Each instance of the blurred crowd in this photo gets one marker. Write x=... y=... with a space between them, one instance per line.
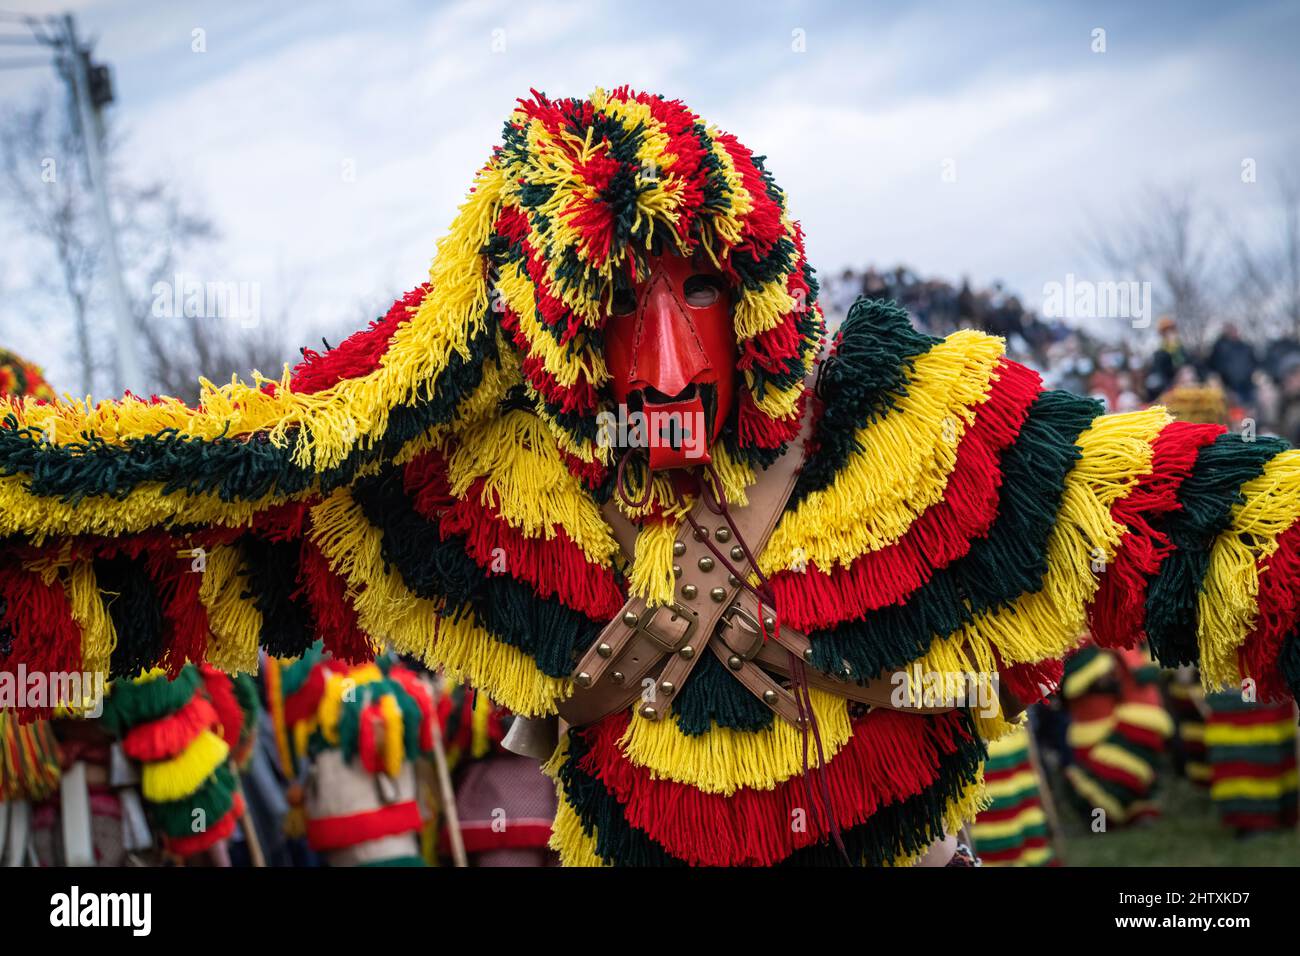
x=1258 y=381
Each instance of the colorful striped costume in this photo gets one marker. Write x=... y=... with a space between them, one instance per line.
x=1013 y=829
x=1118 y=729
x=1251 y=750
x=435 y=483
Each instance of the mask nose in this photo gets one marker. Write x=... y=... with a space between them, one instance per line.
x=668 y=353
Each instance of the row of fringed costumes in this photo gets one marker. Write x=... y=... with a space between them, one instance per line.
x=438 y=485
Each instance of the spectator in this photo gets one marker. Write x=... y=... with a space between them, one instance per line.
x=1170 y=357
x=1234 y=361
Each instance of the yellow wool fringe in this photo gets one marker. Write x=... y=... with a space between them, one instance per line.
x=1116 y=451
x=1152 y=717
x=98 y=635
x=186 y=772
x=1228 y=600
x=147 y=507
x=388 y=610
x=1088 y=733
x=235 y=622
x=528 y=484
x=724 y=760
x=1081 y=680
x=1270 y=788
x=902 y=468
x=510 y=677
x=652 y=575
x=1017 y=783
x=394 y=743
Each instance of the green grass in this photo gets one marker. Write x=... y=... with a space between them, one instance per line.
x=1187 y=833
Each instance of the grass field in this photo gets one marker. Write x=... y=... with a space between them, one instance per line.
x=1187 y=833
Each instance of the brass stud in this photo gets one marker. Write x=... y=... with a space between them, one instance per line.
x=706 y=563
x=630 y=618
x=723 y=534
x=769 y=697
x=667 y=687
x=582 y=679
x=679 y=548
x=617 y=677
x=807 y=654
x=604 y=650
x=677 y=570
x=769 y=622
x=687 y=652
x=733 y=580
x=735 y=663
x=689 y=591
x=648 y=712
x=700 y=534
x=718 y=594
x=737 y=552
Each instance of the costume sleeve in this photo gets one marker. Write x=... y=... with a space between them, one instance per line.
x=146 y=533
x=956 y=517
x=954 y=514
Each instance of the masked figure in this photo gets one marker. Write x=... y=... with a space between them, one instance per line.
x=596 y=467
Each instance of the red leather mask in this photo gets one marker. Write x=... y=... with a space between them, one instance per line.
x=670 y=348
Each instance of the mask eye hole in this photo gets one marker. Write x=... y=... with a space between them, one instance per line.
x=702 y=291
x=623 y=302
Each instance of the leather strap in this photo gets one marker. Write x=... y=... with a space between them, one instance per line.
x=739 y=633
x=632 y=648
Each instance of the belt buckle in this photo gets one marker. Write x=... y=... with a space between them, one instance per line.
x=669 y=644
x=747 y=626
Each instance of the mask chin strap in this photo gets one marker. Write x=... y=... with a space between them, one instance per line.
x=620 y=484
x=715 y=499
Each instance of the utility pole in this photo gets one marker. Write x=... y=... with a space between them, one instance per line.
x=77 y=72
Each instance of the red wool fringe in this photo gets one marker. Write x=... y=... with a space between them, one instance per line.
x=1030 y=683
x=1279 y=613
x=198 y=842
x=756 y=429
x=891 y=756
x=302 y=703
x=222 y=694
x=331 y=609
x=166 y=737
x=940 y=535
x=555 y=567
x=359 y=354
x=1117 y=615
x=39 y=619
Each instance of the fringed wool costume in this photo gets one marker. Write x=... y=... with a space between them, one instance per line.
x=435 y=484
x=1118 y=730
x=352 y=734
x=1013 y=830
x=504 y=804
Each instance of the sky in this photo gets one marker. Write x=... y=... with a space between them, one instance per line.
x=332 y=142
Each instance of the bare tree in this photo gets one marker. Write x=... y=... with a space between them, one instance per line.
x=158 y=228
x=1266 y=274
x=1173 y=240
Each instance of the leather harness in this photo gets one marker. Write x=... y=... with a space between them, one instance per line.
x=646 y=653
